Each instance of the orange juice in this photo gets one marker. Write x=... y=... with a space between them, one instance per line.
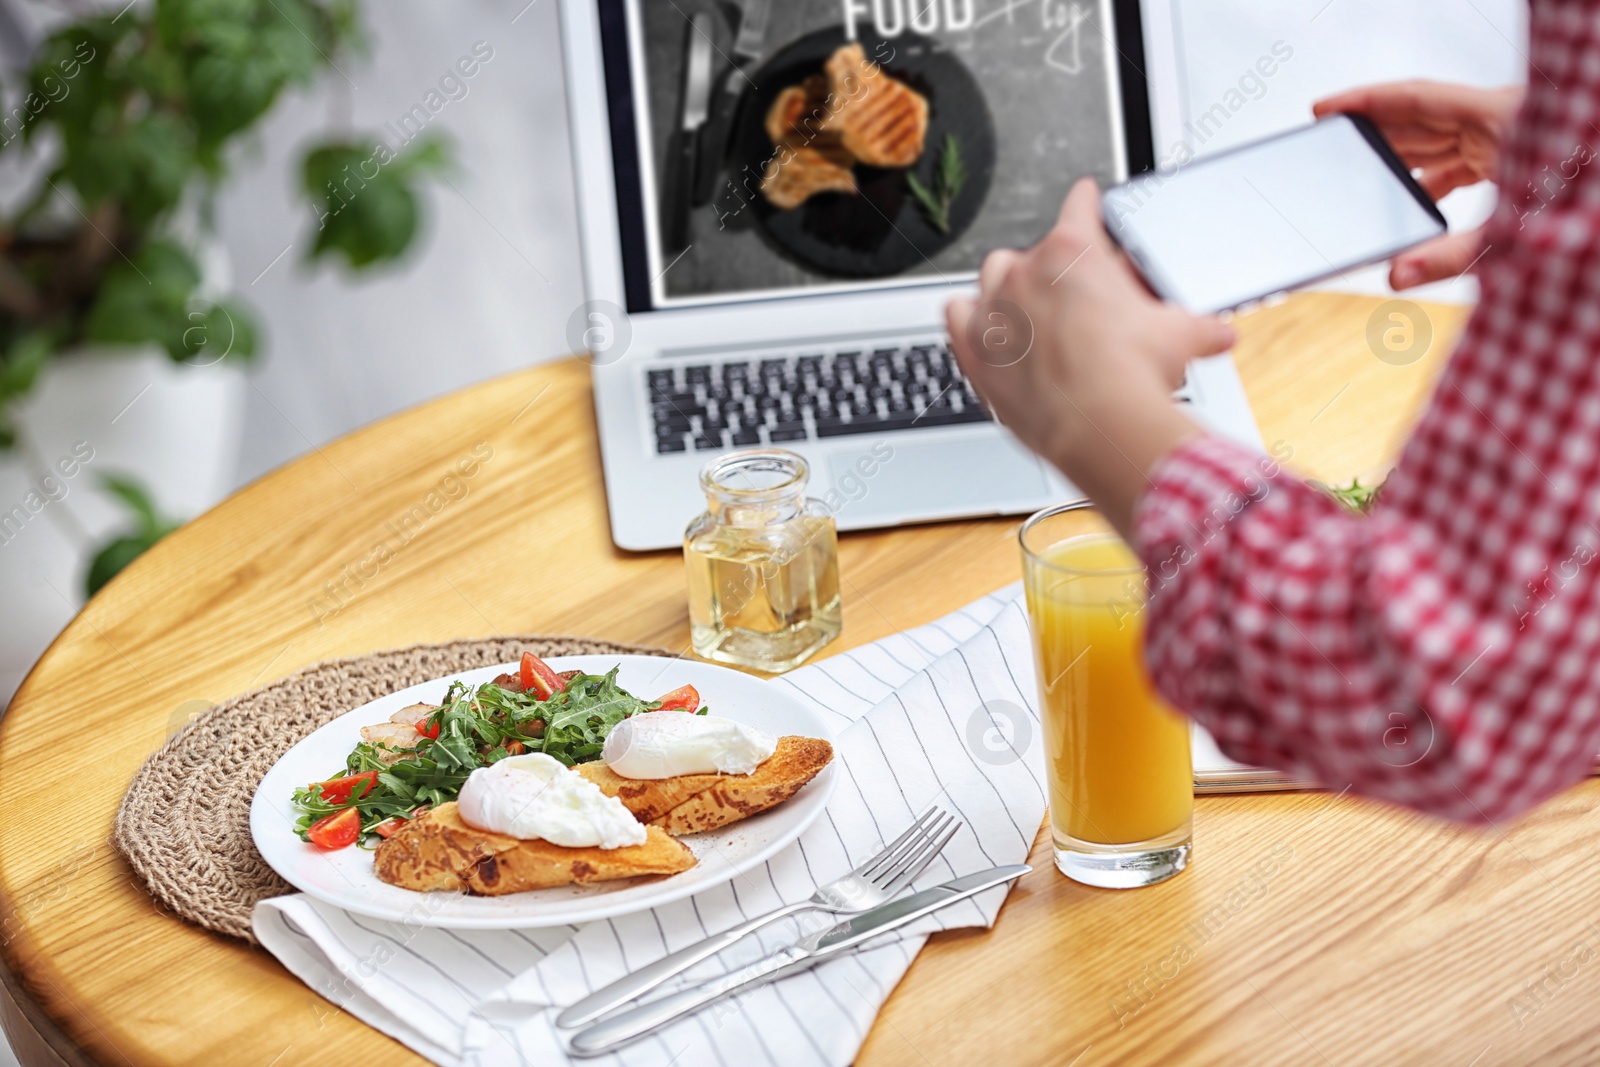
x=1117 y=757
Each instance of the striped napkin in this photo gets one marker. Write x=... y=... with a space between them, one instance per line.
x=945 y=713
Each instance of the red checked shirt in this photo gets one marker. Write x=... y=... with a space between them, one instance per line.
x=1444 y=652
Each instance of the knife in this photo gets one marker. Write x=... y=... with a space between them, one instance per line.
x=621 y=1028
x=678 y=188
x=748 y=48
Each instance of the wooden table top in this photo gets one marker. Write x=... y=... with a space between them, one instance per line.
x=1315 y=928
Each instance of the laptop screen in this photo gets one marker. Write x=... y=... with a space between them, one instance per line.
x=785 y=147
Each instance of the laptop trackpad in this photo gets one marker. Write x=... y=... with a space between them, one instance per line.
x=895 y=477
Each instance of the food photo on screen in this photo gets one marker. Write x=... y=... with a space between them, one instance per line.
x=844 y=144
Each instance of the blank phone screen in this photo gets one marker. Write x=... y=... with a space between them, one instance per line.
x=1268 y=217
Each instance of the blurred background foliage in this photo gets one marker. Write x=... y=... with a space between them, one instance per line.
x=127 y=120
x=134 y=113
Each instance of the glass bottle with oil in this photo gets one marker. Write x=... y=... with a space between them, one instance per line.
x=763 y=563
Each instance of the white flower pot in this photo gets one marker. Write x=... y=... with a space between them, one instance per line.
x=174 y=429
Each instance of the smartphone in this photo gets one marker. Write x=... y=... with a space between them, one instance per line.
x=1270 y=216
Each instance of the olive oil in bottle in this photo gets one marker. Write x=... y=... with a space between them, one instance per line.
x=763 y=563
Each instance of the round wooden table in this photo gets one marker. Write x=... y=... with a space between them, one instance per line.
x=1318 y=928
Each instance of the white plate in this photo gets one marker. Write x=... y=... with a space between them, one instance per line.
x=345 y=878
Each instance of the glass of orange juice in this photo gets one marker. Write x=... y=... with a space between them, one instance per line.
x=1117 y=757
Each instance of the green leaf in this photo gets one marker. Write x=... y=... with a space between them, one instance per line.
x=146 y=299
x=68 y=78
x=151 y=299
x=230 y=92
x=1355 y=496
x=364 y=198
x=112 y=558
x=135 y=498
x=143 y=165
x=426 y=155
x=217 y=332
x=299 y=34
x=148 y=528
x=22 y=363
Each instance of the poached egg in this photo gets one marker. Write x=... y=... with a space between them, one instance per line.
x=665 y=744
x=537 y=797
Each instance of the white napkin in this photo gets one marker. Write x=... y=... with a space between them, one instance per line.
x=945 y=713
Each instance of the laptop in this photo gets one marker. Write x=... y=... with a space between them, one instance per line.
x=762 y=270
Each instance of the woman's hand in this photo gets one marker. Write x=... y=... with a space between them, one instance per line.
x=1078 y=359
x=1450 y=133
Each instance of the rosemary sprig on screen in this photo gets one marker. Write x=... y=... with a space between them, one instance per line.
x=949 y=175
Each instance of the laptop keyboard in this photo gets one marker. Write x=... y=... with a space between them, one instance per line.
x=744 y=402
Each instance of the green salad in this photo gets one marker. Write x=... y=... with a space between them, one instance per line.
x=402 y=768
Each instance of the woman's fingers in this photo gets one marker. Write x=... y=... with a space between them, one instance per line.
x=957 y=313
x=1180 y=337
x=1206 y=335
x=957 y=322
x=1413 y=101
x=1081 y=207
x=1079 y=234
x=1427 y=122
x=996 y=265
x=1192 y=336
x=1339 y=103
x=1424 y=158
x=1442 y=257
x=1422 y=136
x=1405 y=101
x=1442 y=180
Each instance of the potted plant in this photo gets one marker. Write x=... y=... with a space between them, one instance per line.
x=120 y=342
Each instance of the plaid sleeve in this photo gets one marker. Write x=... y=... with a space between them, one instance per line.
x=1441 y=652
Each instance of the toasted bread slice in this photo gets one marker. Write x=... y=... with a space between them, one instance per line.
x=691 y=803
x=880 y=120
x=438 y=850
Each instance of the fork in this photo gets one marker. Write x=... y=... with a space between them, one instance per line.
x=873 y=883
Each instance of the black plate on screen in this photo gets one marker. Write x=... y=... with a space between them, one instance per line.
x=881 y=231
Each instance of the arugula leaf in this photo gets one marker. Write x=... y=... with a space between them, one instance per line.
x=583 y=714
x=1355 y=496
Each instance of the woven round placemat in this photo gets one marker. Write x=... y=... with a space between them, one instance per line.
x=184 y=824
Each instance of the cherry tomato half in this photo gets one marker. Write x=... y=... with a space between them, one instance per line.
x=683 y=698
x=539 y=678
x=340 y=790
x=336 y=831
x=389 y=827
